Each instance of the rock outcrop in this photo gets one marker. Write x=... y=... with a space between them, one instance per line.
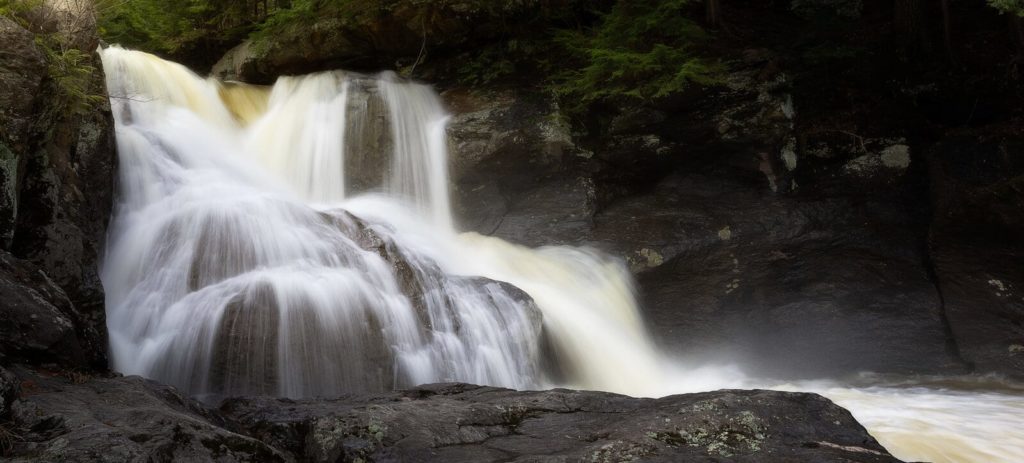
x=57 y=169
x=794 y=259
x=83 y=419
x=795 y=220
x=131 y=419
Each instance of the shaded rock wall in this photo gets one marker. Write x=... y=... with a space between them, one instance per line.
x=56 y=185
x=977 y=248
x=806 y=217
x=747 y=246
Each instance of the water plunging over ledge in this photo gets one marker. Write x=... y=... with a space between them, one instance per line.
x=307 y=250
x=297 y=240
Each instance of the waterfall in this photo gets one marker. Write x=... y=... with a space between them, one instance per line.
x=296 y=240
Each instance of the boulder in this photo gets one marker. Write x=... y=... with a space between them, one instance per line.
x=41 y=325
x=81 y=419
x=459 y=422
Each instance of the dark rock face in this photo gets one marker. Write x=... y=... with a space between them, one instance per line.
x=515 y=171
x=785 y=286
x=977 y=247
x=793 y=259
x=796 y=221
x=131 y=419
x=40 y=322
x=66 y=196
x=22 y=72
x=56 y=184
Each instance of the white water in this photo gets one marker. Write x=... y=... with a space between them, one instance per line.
x=297 y=241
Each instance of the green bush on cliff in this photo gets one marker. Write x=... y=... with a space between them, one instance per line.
x=641 y=49
x=71 y=72
x=15 y=9
x=170 y=27
x=1014 y=7
x=69 y=68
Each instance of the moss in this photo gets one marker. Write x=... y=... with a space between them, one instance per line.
x=619 y=451
x=743 y=433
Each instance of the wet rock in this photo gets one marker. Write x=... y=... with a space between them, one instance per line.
x=41 y=325
x=458 y=422
x=121 y=419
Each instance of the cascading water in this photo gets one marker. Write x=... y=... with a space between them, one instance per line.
x=239 y=262
x=296 y=240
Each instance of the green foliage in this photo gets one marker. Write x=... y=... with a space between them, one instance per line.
x=168 y=27
x=71 y=72
x=1014 y=7
x=16 y=9
x=632 y=49
x=641 y=49
x=70 y=69
x=300 y=12
x=506 y=59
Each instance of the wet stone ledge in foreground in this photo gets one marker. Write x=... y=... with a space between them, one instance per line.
x=80 y=419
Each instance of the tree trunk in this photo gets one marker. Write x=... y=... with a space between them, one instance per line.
x=1017 y=29
x=947 y=29
x=909 y=24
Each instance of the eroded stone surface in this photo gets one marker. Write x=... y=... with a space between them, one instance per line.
x=457 y=422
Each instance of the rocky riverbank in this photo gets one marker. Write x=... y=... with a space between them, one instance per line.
x=80 y=418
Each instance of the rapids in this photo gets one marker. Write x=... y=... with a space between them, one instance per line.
x=297 y=240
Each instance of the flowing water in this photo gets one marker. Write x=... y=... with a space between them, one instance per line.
x=297 y=240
